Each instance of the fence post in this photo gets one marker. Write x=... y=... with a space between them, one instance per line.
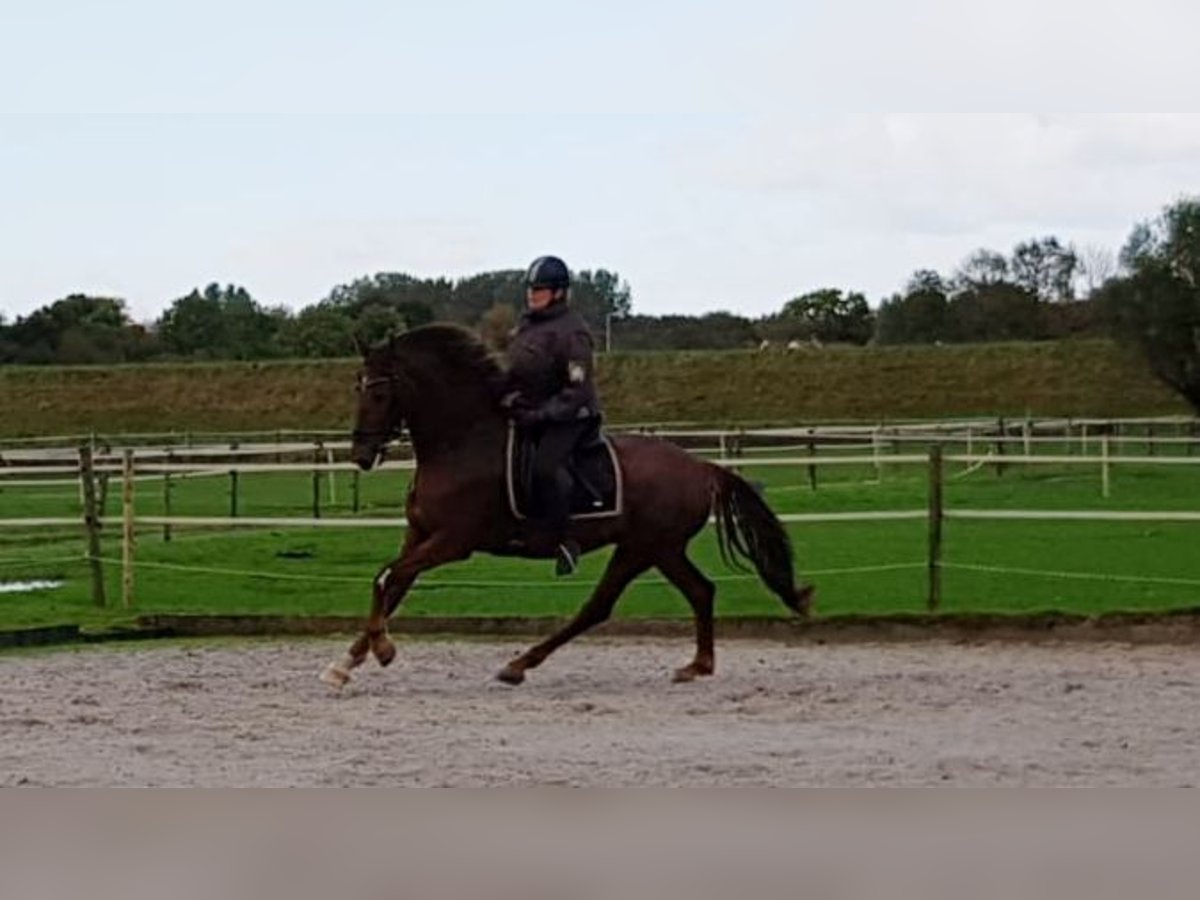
x=1002 y=434
x=91 y=523
x=935 y=527
x=354 y=489
x=128 y=534
x=1027 y=434
x=875 y=451
x=167 y=486
x=101 y=479
x=1104 y=468
x=812 y=451
x=316 y=483
x=332 y=478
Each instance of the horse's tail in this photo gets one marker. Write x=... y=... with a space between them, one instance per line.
x=748 y=529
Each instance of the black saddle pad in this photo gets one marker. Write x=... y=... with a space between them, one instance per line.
x=596 y=490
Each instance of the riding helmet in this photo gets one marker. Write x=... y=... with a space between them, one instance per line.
x=548 y=272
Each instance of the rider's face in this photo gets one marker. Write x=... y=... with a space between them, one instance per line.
x=538 y=298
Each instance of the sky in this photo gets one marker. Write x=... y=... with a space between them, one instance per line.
x=702 y=150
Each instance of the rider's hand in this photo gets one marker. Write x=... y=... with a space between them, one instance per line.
x=514 y=401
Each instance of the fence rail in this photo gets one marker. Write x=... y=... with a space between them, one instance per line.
x=86 y=471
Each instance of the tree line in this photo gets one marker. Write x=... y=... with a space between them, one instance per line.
x=980 y=303
x=226 y=322
x=1043 y=289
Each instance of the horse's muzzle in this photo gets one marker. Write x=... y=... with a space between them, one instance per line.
x=366 y=458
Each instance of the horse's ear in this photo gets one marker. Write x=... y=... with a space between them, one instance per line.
x=392 y=341
x=361 y=346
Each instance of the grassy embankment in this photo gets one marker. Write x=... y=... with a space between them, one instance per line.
x=1087 y=378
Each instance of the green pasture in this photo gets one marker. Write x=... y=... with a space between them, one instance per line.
x=305 y=571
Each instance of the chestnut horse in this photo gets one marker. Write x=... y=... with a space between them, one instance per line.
x=442 y=382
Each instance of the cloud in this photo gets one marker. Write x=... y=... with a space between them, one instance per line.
x=944 y=174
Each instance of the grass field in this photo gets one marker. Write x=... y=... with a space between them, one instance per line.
x=307 y=571
x=1067 y=378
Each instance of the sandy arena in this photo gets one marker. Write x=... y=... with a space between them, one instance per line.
x=603 y=712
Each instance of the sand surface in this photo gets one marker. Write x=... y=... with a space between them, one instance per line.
x=603 y=712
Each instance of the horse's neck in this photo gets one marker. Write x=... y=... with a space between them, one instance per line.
x=448 y=423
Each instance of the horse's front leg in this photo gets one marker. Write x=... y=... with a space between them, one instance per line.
x=420 y=553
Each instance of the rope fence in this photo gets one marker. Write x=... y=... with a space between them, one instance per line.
x=442 y=583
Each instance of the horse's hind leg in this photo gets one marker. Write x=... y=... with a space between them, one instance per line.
x=699 y=591
x=622 y=569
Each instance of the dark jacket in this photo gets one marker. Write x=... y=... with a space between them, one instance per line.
x=551 y=366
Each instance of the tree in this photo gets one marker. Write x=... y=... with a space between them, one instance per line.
x=418 y=302
x=1045 y=268
x=982 y=268
x=995 y=312
x=497 y=324
x=413 y=302
x=831 y=317
x=473 y=297
x=993 y=299
x=1156 y=307
x=378 y=322
x=1097 y=264
x=219 y=323
x=921 y=315
x=76 y=329
x=712 y=331
x=320 y=331
x=600 y=294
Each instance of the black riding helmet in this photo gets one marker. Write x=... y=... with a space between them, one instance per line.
x=548 y=272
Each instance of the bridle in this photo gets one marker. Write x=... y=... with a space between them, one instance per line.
x=381 y=436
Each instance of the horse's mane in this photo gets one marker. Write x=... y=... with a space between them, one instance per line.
x=450 y=353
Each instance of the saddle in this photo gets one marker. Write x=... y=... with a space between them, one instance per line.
x=597 y=491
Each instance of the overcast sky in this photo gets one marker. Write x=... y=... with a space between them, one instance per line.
x=690 y=146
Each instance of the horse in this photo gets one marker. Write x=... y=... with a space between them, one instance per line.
x=443 y=383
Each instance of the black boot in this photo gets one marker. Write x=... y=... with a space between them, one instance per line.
x=567 y=557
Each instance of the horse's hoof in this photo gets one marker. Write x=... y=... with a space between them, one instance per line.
x=510 y=676
x=690 y=673
x=385 y=652
x=335 y=676
x=804 y=601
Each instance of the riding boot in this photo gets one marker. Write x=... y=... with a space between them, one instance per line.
x=567 y=558
x=557 y=511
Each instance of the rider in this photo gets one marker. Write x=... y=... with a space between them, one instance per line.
x=551 y=394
